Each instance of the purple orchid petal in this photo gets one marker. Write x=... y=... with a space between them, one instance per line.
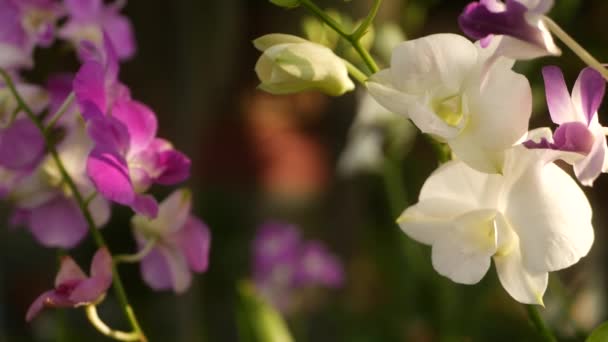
x=175 y=166
x=195 y=240
x=588 y=169
x=590 y=87
x=90 y=290
x=22 y=145
x=69 y=271
x=481 y=19
x=145 y=205
x=11 y=30
x=319 y=266
x=59 y=87
x=181 y=278
x=110 y=133
x=155 y=271
x=140 y=122
x=37 y=305
x=558 y=97
x=275 y=243
x=83 y=10
x=57 y=223
x=573 y=137
x=109 y=172
x=101 y=266
x=90 y=88
x=120 y=32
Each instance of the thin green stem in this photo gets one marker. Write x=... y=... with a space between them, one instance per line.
x=353 y=38
x=62 y=109
x=82 y=203
x=132 y=258
x=93 y=316
x=367 y=22
x=583 y=54
x=355 y=72
x=539 y=323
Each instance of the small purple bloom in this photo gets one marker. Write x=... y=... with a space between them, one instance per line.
x=579 y=130
x=59 y=87
x=284 y=263
x=182 y=244
x=73 y=288
x=24 y=24
x=516 y=23
x=89 y=19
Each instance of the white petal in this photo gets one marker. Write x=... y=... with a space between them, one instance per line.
x=266 y=41
x=440 y=60
x=382 y=89
x=498 y=116
x=523 y=285
x=549 y=213
x=464 y=252
x=458 y=182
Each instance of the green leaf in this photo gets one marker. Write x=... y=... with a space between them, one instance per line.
x=258 y=321
x=600 y=334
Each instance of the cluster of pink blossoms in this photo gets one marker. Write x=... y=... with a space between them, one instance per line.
x=106 y=142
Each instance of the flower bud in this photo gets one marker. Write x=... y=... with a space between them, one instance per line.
x=290 y=64
x=286 y=3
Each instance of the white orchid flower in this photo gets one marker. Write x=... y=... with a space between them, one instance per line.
x=531 y=220
x=442 y=83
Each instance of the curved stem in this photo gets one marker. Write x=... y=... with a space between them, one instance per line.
x=93 y=317
x=583 y=54
x=82 y=203
x=353 y=38
x=132 y=258
x=539 y=324
x=355 y=72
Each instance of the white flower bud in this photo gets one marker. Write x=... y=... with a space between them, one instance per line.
x=290 y=64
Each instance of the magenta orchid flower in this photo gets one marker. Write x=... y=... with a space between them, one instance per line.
x=73 y=288
x=580 y=137
x=517 y=24
x=181 y=244
x=128 y=157
x=23 y=25
x=89 y=19
x=283 y=263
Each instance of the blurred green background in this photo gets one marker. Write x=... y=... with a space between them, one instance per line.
x=257 y=157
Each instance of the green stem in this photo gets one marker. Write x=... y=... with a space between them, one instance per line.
x=583 y=54
x=93 y=316
x=82 y=203
x=367 y=22
x=352 y=38
x=62 y=109
x=355 y=72
x=539 y=323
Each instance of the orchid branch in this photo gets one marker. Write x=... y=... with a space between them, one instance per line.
x=583 y=54
x=82 y=203
x=355 y=72
x=353 y=38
